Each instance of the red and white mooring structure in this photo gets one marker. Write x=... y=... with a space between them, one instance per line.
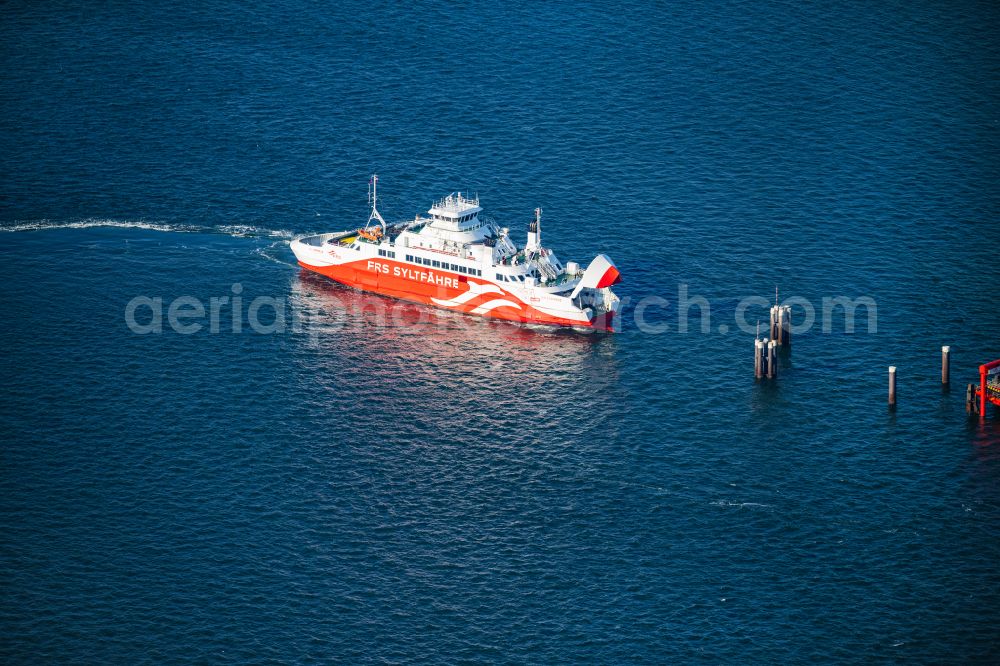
x=988 y=389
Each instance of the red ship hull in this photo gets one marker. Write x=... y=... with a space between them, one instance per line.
x=451 y=291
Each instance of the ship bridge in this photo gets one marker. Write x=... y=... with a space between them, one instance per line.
x=455 y=212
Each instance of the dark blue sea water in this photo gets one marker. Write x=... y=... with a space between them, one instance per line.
x=423 y=487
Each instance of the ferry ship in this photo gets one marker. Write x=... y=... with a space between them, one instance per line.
x=459 y=259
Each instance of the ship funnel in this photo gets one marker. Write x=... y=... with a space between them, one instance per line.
x=534 y=233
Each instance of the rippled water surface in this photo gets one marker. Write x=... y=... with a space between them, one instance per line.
x=382 y=483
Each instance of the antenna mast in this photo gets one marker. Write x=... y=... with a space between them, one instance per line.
x=373 y=200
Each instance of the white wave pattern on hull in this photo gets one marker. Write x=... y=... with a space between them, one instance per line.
x=494 y=304
x=475 y=289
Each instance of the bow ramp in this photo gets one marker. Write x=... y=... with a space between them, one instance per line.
x=600 y=274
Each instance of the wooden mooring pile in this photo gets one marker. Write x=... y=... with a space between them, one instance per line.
x=766 y=350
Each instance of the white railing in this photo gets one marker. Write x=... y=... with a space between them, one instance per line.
x=456 y=203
